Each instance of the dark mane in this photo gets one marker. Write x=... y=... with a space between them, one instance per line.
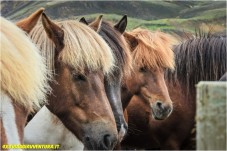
x=199 y=59
x=119 y=47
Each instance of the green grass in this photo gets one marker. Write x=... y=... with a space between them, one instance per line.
x=169 y=24
x=206 y=14
x=212 y=14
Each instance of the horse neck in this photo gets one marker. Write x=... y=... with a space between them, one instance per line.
x=180 y=95
x=126 y=96
x=13 y=118
x=46 y=128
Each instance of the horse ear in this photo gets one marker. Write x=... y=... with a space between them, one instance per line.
x=54 y=32
x=83 y=20
x=96 y=24
x=132 y=40
x=27 y=24
x=122 y=24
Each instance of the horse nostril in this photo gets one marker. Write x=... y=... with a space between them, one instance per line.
x=87 y=138
x=159 y=104
x=164 y=108
x=107 y=141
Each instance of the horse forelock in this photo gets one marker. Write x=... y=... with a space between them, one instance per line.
x=23 y=71
x=119 y=46
x=83 y=48
x=199 y=59
x=154 y=49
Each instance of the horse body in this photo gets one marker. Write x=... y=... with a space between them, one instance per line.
x=23 y=81
x=197 y=59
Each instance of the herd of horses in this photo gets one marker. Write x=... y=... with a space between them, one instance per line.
x=101 y=87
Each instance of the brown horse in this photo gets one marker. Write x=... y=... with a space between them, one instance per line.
x=79 y=59
x=152 y=54
x=197 y=59
x=52 y=133
x=112 y=34
x=23 y=80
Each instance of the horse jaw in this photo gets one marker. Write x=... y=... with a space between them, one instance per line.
x=46 y=128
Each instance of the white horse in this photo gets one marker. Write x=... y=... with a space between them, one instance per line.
x=23 y=80
x=47 y=128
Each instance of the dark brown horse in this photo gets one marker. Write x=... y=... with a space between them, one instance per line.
x=197 y=59
x=112 y=34
x=79 y=59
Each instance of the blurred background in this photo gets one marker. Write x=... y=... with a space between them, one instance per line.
x=168 y=16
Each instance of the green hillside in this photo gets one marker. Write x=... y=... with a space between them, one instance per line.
x=164 y=15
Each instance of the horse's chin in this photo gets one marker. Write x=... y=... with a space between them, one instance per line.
x=121 y=133
x=86 y=148
x=157 y=116
x=89 y=147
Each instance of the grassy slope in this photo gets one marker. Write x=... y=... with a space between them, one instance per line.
x=163 y=15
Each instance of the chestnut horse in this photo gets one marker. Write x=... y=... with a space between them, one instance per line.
x=23 y=80
x=197 y=59
x=152 y=54
x=79 y=59
x=56 y=133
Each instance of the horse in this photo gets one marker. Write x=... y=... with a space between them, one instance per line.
x=152 y=54
x=23 y=80
x=112 y=35
x=200 y=58
x=79 y=60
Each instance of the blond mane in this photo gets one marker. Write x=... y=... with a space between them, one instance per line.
x=154 y=49
x=84 y=48
x=23 y=71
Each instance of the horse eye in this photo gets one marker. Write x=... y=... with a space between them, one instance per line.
x=143 y=69
x=79 y=77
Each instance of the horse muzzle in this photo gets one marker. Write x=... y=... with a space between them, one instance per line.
x=100 y=136
x=161 y=111
x=122 y=132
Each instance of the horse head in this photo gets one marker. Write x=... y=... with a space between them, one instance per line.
x=79 y=59
x=152 y=54
x=113 y=35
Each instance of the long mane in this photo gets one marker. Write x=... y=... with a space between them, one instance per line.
x=119 y=47
x=197 y=59
x=23 y=71
x=84 y=48
x=154 y=49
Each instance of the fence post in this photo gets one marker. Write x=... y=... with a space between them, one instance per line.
x=211 y=116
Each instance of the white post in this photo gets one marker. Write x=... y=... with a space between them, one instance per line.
x=211 y=116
